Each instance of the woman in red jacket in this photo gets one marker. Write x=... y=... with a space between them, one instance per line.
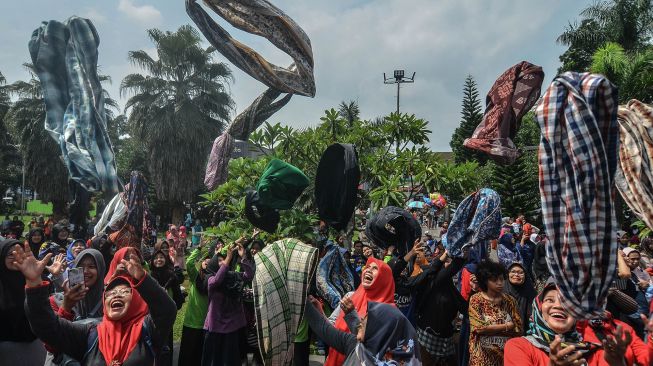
x=554 y=341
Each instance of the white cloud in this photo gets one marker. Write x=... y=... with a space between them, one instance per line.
x=146 y=14
x=94 y=15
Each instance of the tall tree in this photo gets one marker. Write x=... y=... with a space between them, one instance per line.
x=626 y=22
x=631 y=72
x=10 y=162
x=349 y=111
x=177 y=107
x=471 y=117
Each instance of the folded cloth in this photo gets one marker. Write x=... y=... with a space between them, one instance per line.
x=65 y=59
x=634 y=178
x=333 y=277
x=280 y=185
x=578 y=159
x=393 y=226
x=259 y=215
x=336 y=185
x=284 y=271
x=261 y=18
x=477 y=221
x=513 y=94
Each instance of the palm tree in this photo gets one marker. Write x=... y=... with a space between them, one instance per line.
x=177 y=108
x=632 y=73
x=349 y=111
x=44 y=169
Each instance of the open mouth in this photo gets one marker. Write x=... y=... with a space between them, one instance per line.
x=559 y=315
x=368 y=277
x=117 y=304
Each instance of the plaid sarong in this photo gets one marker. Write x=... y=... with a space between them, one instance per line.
x=440 y=347
x=578 y=159
x=634 y=178
x=65 y=58
x=284 y=270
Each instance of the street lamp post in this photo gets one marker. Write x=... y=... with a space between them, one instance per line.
x=398 y=79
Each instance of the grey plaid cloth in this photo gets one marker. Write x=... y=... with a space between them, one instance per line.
x=65 y=58
x=578 y=159
x=436 y=346
x=634 y=178
x=284 y=270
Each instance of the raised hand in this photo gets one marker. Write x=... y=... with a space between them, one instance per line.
x=241 y=250
x=615 y=346
x=567 y=356
x=71 y=296
x=58 y=265
x=29 y=266
x=346 y=304
x=133 y=267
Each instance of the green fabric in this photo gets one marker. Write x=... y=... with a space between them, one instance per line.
x=284 y=270
x=197 y=305
x=302 y=332
x=280 y=185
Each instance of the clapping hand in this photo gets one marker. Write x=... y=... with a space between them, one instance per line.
x=615 y=346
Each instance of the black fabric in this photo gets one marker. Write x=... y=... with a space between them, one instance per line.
x=12 y=297
x=260 y=216
x=539 y=267
x=192 y=344
x=387 y=330
x=394 y=226
x=336 y=185
x=167 y=278
x=221 y=349
x=233 y=283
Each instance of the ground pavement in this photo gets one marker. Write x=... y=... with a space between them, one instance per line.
x=315 y=360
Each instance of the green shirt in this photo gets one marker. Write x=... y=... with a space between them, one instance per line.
x=302 y=331
x=197 y=304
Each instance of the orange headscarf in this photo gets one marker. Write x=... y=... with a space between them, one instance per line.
x=382 y=290
x=117 y=339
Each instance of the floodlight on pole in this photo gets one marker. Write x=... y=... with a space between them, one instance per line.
x=398 y=79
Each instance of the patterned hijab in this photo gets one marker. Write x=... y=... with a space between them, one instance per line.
x=541 y=335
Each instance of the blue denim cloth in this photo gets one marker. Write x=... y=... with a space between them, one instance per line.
x=65 y=59
x=477 y=221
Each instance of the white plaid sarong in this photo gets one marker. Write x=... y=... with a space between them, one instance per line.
x=441 y=347
x=578 y=159
x=284 y=270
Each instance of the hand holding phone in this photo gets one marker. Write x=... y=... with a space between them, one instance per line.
x=75 y=277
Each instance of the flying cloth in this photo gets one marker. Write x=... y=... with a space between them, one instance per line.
x=333 y=279
x=336 y=185
x=634 y=179
x=393 y=226
x=65 y=58
x=280 y=185
x=284 y=271
x=578 y=160
x=263 y=19
x=477 y=221
x=512 y=95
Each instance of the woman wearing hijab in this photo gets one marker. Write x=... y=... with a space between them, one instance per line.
x=520 y=287
x=82 y=302
x=540 y=269
x=129 y=334
x=163 y=272
x=73 y=250
x=60 y=235
x=383 y=336
x=493 y=317
x=377 y=285
x=192 y=334
x=178 y=246
x=35 y=238
x=553 y=339
x=507 y=250
x=18 y=345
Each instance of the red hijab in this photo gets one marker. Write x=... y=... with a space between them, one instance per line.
x=382 y=290
x=117 y=258
x=117 y=339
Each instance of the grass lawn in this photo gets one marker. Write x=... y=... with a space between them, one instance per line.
x=179 y=321
x=38 y=207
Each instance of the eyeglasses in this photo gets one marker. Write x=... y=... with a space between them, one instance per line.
x=520 y=273
x=113 y=293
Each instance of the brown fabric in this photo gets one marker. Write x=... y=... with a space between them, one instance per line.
x=512 y=95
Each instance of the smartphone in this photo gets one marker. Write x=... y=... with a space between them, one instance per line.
x=75 y=277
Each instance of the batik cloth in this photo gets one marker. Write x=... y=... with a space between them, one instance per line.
x=284 y=270
x=437 y=346
x=513 y=94
x=578 y=159
x=333 y=279
x=217 y=166
x=634 y=178
x=477 y=221
x=65 y=58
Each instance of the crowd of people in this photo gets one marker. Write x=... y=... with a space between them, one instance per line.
x=69 y=301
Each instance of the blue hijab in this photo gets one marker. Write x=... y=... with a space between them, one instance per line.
x=70 y=258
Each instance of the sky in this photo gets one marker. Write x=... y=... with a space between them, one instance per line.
x=354 y=42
